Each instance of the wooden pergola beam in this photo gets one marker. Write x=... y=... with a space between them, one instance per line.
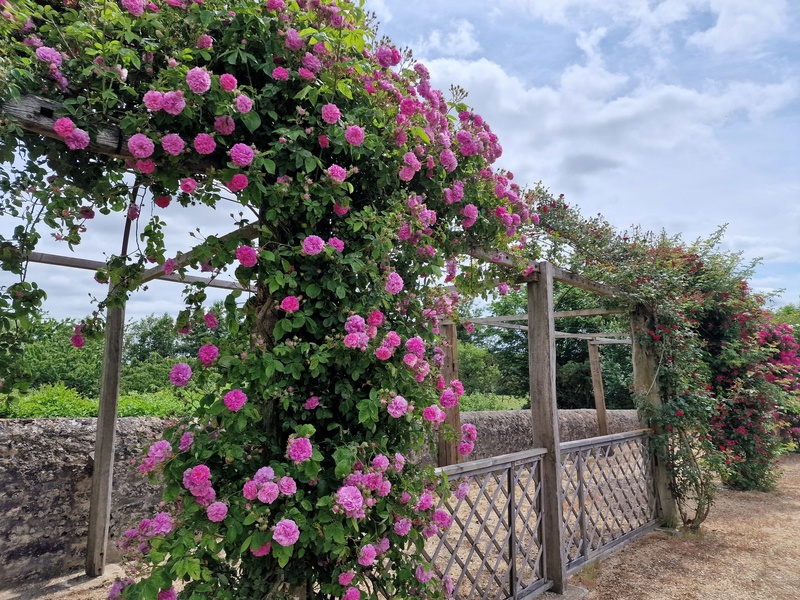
x=37 y=115
x=247 y=232
x=94 y=265
x=584 y=283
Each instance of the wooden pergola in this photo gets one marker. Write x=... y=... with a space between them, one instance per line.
x=37 y=115
x=594 y=341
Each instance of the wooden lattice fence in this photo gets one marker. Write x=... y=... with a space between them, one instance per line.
x=608 y=494
x=494 y=549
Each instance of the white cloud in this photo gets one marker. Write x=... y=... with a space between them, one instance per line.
x=380 y=8
x=742 y=25
x=739 y=25
x=459 y=40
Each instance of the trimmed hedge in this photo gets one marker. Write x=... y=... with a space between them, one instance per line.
x=57 y=400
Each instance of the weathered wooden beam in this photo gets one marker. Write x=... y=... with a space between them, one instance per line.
x=597 y=387
x=103 y=468
x=448 y=449
x=584 y=283
x=595 y=337
x=544 y=421
x=247 y=232
x=588 y=312
x=37 y=115
x=94 y=265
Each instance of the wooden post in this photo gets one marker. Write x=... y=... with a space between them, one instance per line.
x=103 y=473
x=645 y=384
x=448 y=449
x=103 y=468
x=544 y=418
x=597 y=386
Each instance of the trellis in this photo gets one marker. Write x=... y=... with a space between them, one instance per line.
x=36 y=115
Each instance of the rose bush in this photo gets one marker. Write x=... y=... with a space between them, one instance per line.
x=359 y=182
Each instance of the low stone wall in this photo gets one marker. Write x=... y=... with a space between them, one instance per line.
x=506 y=431
x=45 y=481
x=45 y=486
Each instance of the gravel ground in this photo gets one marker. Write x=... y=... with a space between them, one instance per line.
x=748 y=549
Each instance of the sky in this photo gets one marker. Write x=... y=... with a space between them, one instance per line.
x=682 y=115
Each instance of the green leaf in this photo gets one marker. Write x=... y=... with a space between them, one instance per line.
x=251 y=120
x=344 y=89
x=313 y=290
x=335 y=531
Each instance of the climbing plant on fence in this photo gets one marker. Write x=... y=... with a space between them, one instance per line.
x=720 y=378
x=362 y=186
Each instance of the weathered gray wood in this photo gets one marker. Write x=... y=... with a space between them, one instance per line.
x=588 y=312
x=247 y=232
x=584 y=283
x=544 y=420
x=37 y=115
x=645 y=384
x=597 y=386
x=490 y=464
x=93 y=265
x=603 y=440
x=448 y=449
x=103 y=474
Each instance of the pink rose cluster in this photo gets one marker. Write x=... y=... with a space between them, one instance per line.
x=415 y=358
x=198 y=481
x=171 y=102
x=313 y=245
x=449 y=396
x=77 y=340
x=264 y=487
x=138 y=540
x=397 y=407
x=290 y=304
x=207 y=354
x=180 y=374
x=286 y=532
x=394 y=283
x=299 y=449
x=391 y=341
x=468 y=436
x=156 y=454
x=247 y=256
x=364 y=485
x=360 y=332
x=74 y=138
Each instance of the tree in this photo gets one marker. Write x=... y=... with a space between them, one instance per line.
x=358 y=182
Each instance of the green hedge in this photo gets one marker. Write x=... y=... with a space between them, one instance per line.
x=57 y=400
x=491 y=402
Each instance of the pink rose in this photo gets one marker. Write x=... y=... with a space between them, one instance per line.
x=286 y=532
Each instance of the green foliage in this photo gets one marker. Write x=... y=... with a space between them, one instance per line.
x=478 y=370
x=59 y=401
x=483 y=401
x=52 y=359
x=51 y=401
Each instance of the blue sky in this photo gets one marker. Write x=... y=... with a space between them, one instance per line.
x=674 y=114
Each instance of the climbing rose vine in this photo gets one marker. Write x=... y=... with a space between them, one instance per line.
x=357 y=182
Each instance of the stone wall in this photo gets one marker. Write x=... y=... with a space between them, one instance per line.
x=503 y=432
x=46 y=468
x=45 y=485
